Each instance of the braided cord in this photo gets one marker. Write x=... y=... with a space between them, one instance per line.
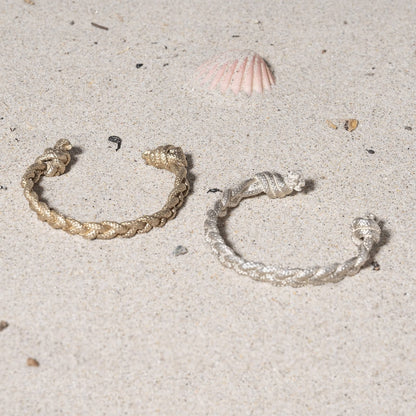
x=53 y=163
x=365 y=233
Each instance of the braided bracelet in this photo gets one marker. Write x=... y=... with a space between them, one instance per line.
x=365 y=233
x=53 y=163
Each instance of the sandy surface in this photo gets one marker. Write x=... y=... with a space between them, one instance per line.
x=123 y=327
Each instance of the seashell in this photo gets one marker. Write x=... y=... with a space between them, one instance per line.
x=237 y=71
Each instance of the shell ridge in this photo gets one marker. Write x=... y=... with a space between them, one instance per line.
x=237 y=81
x=228 y=75
x=219 y=75
x=257 y=78
x=247 y=83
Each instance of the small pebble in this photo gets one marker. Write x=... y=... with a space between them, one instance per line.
x=4 y=188
x=375 y=265
x=332 y=125
x=408 y=128
x=3 y=325
x=180 y=251
x=139 y=65
x=32 y=362
x=371 y=151
x=213 y=190
x=115 y=139
x=350 y=125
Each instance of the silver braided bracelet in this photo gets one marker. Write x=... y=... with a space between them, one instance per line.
x=365 y=234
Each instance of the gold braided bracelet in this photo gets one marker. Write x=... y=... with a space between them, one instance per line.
x=53 y=163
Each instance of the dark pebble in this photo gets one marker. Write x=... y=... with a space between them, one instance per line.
x=376 y=266
x=180 y=251
x=115 y=139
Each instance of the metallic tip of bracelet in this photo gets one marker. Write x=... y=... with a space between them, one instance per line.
x=370 y=216
x=145 y=156
x=165 y=157
x=63 y=144
x=296 y=181
x=365 y=227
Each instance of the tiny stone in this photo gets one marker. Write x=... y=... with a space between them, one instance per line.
x=323 y=51
x=351 y=124
x=72 y=22
x=180 y=250
x=139 y=65
x=3 y=325
x=332 y=125
x=371 y=151
x=115 y=139
x=408 y=128
x=32 y=362
x=3 y=187
x=375 y=265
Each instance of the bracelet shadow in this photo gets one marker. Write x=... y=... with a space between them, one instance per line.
x=385 y=237
x=191 y=177
x=75 y=152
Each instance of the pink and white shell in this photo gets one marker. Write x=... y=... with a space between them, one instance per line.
x=237 y=71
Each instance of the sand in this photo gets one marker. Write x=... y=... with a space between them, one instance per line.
x=125 y=327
